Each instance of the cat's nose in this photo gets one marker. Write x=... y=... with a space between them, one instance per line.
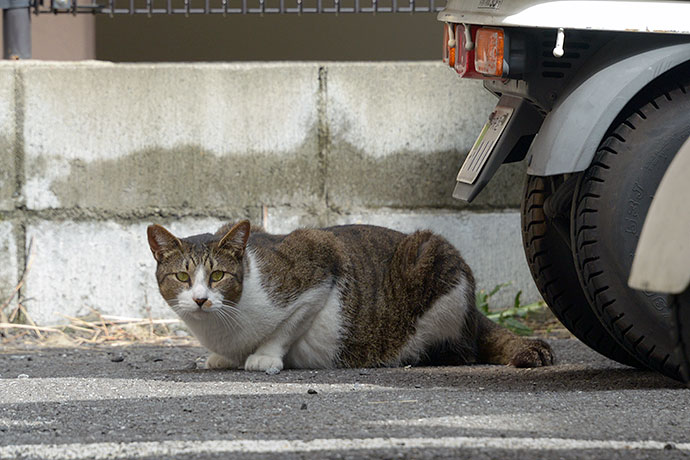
x=200 y=302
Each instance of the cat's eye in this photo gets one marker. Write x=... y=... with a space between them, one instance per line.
x=217 y=276
x=182 y=276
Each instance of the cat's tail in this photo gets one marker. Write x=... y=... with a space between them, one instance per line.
x=498 y=345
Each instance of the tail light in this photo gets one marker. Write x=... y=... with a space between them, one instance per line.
x=478 y=52
x=464 y=62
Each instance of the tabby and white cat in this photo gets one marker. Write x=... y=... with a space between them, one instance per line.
x=347 y=296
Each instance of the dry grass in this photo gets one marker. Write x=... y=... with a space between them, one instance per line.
x=17 y=329
x=107 y=330
x=95 y=329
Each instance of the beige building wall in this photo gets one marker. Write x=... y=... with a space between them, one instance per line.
x=63 y=37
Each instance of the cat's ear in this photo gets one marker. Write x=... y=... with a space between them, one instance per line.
x=161 y=240
x=236 y=238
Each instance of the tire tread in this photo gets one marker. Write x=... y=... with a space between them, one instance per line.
x=593 y=272
x=556 y=279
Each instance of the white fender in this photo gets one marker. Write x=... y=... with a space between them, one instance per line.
x=662 y=259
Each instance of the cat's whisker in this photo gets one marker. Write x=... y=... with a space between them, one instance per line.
x=227 y=318
x=235 y=314
x=229 y=303
x=227 y=310
x=224 y=320
x=234 y=323
x=232 y=309
x=236 y=318
x=182 y=314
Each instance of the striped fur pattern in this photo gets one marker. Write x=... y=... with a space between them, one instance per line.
x=346 y=296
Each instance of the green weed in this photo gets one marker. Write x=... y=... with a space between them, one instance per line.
x=512 y=317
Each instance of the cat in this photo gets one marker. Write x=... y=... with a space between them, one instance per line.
x=345 y=296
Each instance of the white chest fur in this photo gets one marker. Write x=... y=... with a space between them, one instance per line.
x=304 y=334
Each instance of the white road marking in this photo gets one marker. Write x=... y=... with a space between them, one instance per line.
x=536 y=421
x=45 y=390
x=104 y=450
x=9 y=423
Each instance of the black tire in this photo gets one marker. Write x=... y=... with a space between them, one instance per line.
x=681 y=315
x=551 y=263
x=611 y=202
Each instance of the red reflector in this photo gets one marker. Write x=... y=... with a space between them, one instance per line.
x=464 y=64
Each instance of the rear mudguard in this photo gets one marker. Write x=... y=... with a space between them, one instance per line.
x=572 y=131
x=662 y=258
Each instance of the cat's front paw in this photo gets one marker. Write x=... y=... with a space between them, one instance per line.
x=257 y=362
x=216 y=361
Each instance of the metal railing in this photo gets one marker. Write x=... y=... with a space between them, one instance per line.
x=225 y=7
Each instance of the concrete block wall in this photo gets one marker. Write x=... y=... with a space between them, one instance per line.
x=93 y=152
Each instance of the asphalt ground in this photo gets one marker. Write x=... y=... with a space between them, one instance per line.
x=154 y=403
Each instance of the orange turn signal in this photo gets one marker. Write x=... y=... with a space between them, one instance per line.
x=449 y=44
x=488 y=51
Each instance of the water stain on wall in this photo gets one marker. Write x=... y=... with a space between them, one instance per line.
x=411 y=180
x=188 y=176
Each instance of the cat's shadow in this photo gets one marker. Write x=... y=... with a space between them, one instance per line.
x=558 y=378
x=580 y=370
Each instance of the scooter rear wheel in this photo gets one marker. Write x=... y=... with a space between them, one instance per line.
x=551 y=263
x=610 y=206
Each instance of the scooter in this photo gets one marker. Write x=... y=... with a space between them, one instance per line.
x=595 y=95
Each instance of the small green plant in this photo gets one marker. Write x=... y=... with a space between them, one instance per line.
x=509 y=317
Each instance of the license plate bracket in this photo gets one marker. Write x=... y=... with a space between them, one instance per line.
x=484 y=145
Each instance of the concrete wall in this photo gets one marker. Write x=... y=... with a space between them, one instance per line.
x=94 y=152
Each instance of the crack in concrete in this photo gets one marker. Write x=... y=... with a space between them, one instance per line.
x=19 y=167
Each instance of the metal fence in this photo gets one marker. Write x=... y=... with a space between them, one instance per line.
x=225 y=7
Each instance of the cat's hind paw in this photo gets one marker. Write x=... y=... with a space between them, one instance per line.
x=532 y=353
x=257 y=362
x=216 y=361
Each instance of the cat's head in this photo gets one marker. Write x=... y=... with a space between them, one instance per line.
x=201 y=273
